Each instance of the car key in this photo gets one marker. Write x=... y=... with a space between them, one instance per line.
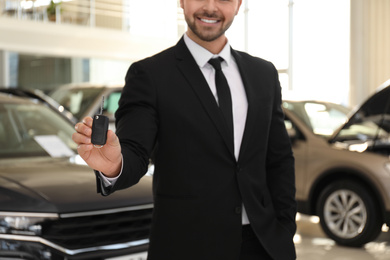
x=99 y=128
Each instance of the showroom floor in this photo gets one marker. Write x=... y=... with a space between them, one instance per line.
x=312 y=244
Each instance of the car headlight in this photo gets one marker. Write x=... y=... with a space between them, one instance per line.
x=358 y=147
x=23 y=223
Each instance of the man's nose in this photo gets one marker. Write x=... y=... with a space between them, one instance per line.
x=210 y=5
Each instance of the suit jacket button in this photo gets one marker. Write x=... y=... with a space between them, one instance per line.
x=237 y=210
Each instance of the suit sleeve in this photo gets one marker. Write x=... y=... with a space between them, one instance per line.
x=105 y=184
x=280 y=165
x=101 y=185
x=136 y=127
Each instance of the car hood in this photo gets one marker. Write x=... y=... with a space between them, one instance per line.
x=376 y=109
x=59 y=186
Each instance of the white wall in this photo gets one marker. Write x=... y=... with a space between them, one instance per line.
x=370 y=47
x=322 y=49
x=76 y=41
x=321 y=44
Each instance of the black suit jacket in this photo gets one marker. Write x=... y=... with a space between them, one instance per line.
x=199 y=187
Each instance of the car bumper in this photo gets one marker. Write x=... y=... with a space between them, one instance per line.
x=35 y=248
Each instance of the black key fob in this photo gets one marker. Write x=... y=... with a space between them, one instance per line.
x=99 y=130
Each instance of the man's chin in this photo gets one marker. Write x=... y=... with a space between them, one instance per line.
x=208 y=37
x=206 y=34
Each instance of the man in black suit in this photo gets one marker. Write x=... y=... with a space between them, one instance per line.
x=224 y=186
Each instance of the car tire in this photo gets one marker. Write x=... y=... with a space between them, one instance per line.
x=349 y=214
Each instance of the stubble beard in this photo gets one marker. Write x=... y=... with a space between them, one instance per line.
x=206 y=34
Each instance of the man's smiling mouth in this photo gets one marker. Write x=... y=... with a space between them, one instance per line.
x=209 y=21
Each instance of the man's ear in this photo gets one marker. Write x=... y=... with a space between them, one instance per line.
x=181 y=3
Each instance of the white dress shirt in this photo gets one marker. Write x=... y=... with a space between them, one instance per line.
x=237 y=90
x=239 y=99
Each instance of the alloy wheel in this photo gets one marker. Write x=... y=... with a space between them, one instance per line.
x=345 y=213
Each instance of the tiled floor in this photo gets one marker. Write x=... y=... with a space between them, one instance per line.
x=312 y=244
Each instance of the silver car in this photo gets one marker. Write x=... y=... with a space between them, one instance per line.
x=85 y=99
x=343 y=166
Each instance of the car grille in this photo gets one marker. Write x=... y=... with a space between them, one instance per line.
x=96 y=230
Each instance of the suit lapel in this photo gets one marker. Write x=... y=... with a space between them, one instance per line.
x=191 y=71
x=251 y=98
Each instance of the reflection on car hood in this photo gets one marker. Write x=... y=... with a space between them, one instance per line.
x=56 y=185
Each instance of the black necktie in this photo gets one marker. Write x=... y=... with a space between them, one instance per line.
x=223 y=92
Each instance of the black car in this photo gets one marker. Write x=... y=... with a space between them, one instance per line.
x=49 y=207
x=40 y=96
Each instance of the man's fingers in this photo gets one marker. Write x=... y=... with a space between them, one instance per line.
x=83 y=149
x=88 y=121
x=83 y=131
x=84 y=127
x=81 y=139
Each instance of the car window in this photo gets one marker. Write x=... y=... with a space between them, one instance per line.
x=322 y=118
x=30 y=130
x=76 y=101
x=111 y=103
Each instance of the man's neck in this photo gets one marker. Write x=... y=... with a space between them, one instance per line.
x=214 y=47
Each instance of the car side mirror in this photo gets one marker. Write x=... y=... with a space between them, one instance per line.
x=291 y=131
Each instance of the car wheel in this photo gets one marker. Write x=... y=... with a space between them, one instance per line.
x=348 y=214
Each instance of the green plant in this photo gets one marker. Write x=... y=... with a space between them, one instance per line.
x=51 y=9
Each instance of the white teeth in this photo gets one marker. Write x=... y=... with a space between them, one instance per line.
x=208 y=21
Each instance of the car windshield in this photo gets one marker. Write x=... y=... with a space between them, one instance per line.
x=76 y=100
x=29 y=129
x=323 y=118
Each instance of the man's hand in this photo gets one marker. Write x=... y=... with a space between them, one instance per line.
x=107 y=159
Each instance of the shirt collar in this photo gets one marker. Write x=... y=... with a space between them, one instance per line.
x=202 y=56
